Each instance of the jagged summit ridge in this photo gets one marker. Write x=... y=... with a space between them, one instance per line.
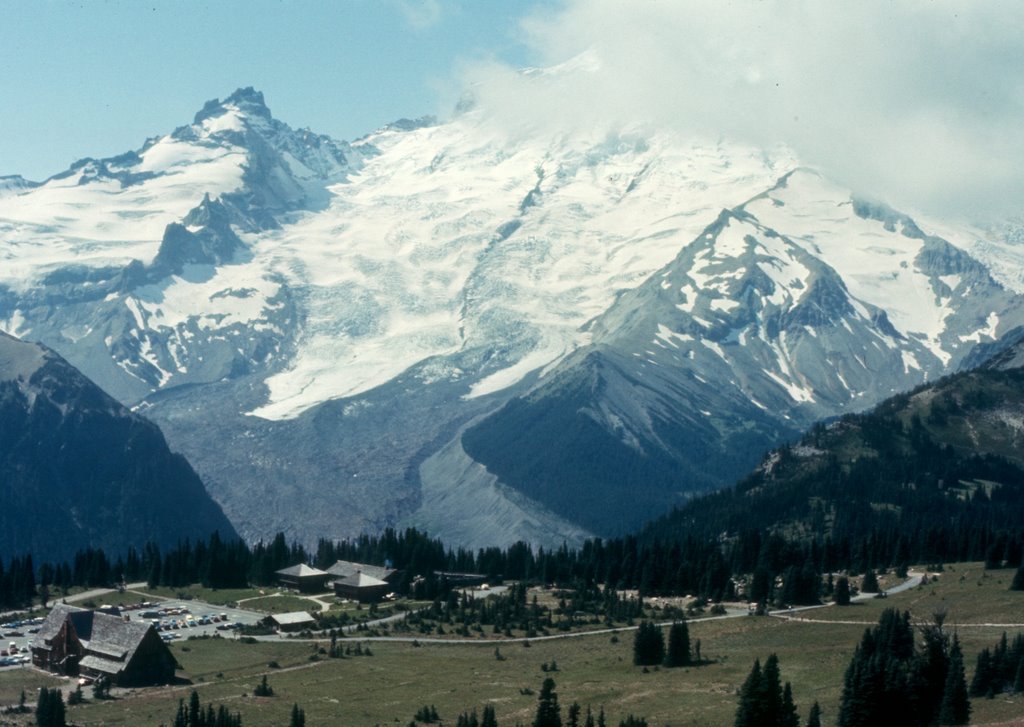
x=246 y=100
x=330 y=323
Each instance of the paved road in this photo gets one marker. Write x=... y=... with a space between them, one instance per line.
x=913 y=580
x=199 y=608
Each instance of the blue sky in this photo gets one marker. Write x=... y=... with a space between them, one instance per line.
x=918 y=102
x=97 y=78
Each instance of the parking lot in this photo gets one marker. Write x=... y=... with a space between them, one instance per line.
x=15 y=640
x=179 y=619
x=175 y=619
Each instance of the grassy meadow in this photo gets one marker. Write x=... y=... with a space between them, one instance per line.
x=389 y=686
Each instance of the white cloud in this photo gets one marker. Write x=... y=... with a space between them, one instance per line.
x=921 y=103
x=421 y=14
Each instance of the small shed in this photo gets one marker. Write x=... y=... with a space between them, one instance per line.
x=361 y=587
x=303 y=578
x=294 y=621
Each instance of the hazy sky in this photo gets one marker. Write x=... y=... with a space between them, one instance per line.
x=95 y=78
x=917 y=101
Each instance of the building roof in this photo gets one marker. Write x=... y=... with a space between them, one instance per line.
x=301 y=571
x=97 y=663
x=345 y=569
x=53 y=623
x=101 y=635
x=361 y=580
x=290 y=619
x=113 y=636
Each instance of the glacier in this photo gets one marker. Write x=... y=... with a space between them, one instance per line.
x=321 y=326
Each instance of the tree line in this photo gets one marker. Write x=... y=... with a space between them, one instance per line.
x=767 y=566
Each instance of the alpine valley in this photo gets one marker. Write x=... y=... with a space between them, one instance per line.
x=490 y=334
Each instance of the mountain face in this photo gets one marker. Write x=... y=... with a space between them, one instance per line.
x=949 y=453
x=491 y=334
x=798 y=305
x=78 y=469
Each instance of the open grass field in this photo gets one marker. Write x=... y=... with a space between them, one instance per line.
x=399 y=678
x=213 y=596
x=966 y=591
x=281 y=604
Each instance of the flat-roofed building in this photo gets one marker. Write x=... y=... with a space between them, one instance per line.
x=293 y=621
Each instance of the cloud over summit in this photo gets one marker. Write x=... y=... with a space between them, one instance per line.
x=918 y=102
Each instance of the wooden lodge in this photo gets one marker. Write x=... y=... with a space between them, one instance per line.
x=80 y=641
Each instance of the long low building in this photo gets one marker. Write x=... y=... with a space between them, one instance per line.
x=361 y=587
x=293 y=621
x=303 y=578
x=347 y=569
x=76 y=640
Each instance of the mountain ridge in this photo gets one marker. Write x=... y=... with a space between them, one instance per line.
x=265 y=293
x=79 y=470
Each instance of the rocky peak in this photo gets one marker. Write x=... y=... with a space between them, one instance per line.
x=247 y=100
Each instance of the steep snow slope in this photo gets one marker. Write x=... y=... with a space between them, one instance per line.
x=316 y=323
x=800 y=304
x=456 y=237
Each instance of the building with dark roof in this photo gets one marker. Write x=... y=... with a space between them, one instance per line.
x=347 y=569
x=75 y=640
x=361 y=587
x=303 y=578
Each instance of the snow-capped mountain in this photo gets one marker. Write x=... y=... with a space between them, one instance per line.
x=321 y=326
x=750 y=335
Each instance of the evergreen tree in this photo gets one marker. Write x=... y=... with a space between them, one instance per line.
x=889 y=681
x=549 y=714
x=1018 y=580
x=771 y=689
x=195 y=709
x=788 y=716
x=983 y=673
x=50 y=708
x=262 y=689
x=842 y=591
x=489 y=720
x=870 y=582
x=955 y=708
x=648 y=645
x=678 y=652
x=298 y=716
x=750 y=712
x=814 y=716
x=764 y=702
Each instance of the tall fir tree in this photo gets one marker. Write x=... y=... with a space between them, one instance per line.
x=764 y=701
x=549 y=714
x=678 y=651
x=648 y=645
x=955 y=708
x=842 y=591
